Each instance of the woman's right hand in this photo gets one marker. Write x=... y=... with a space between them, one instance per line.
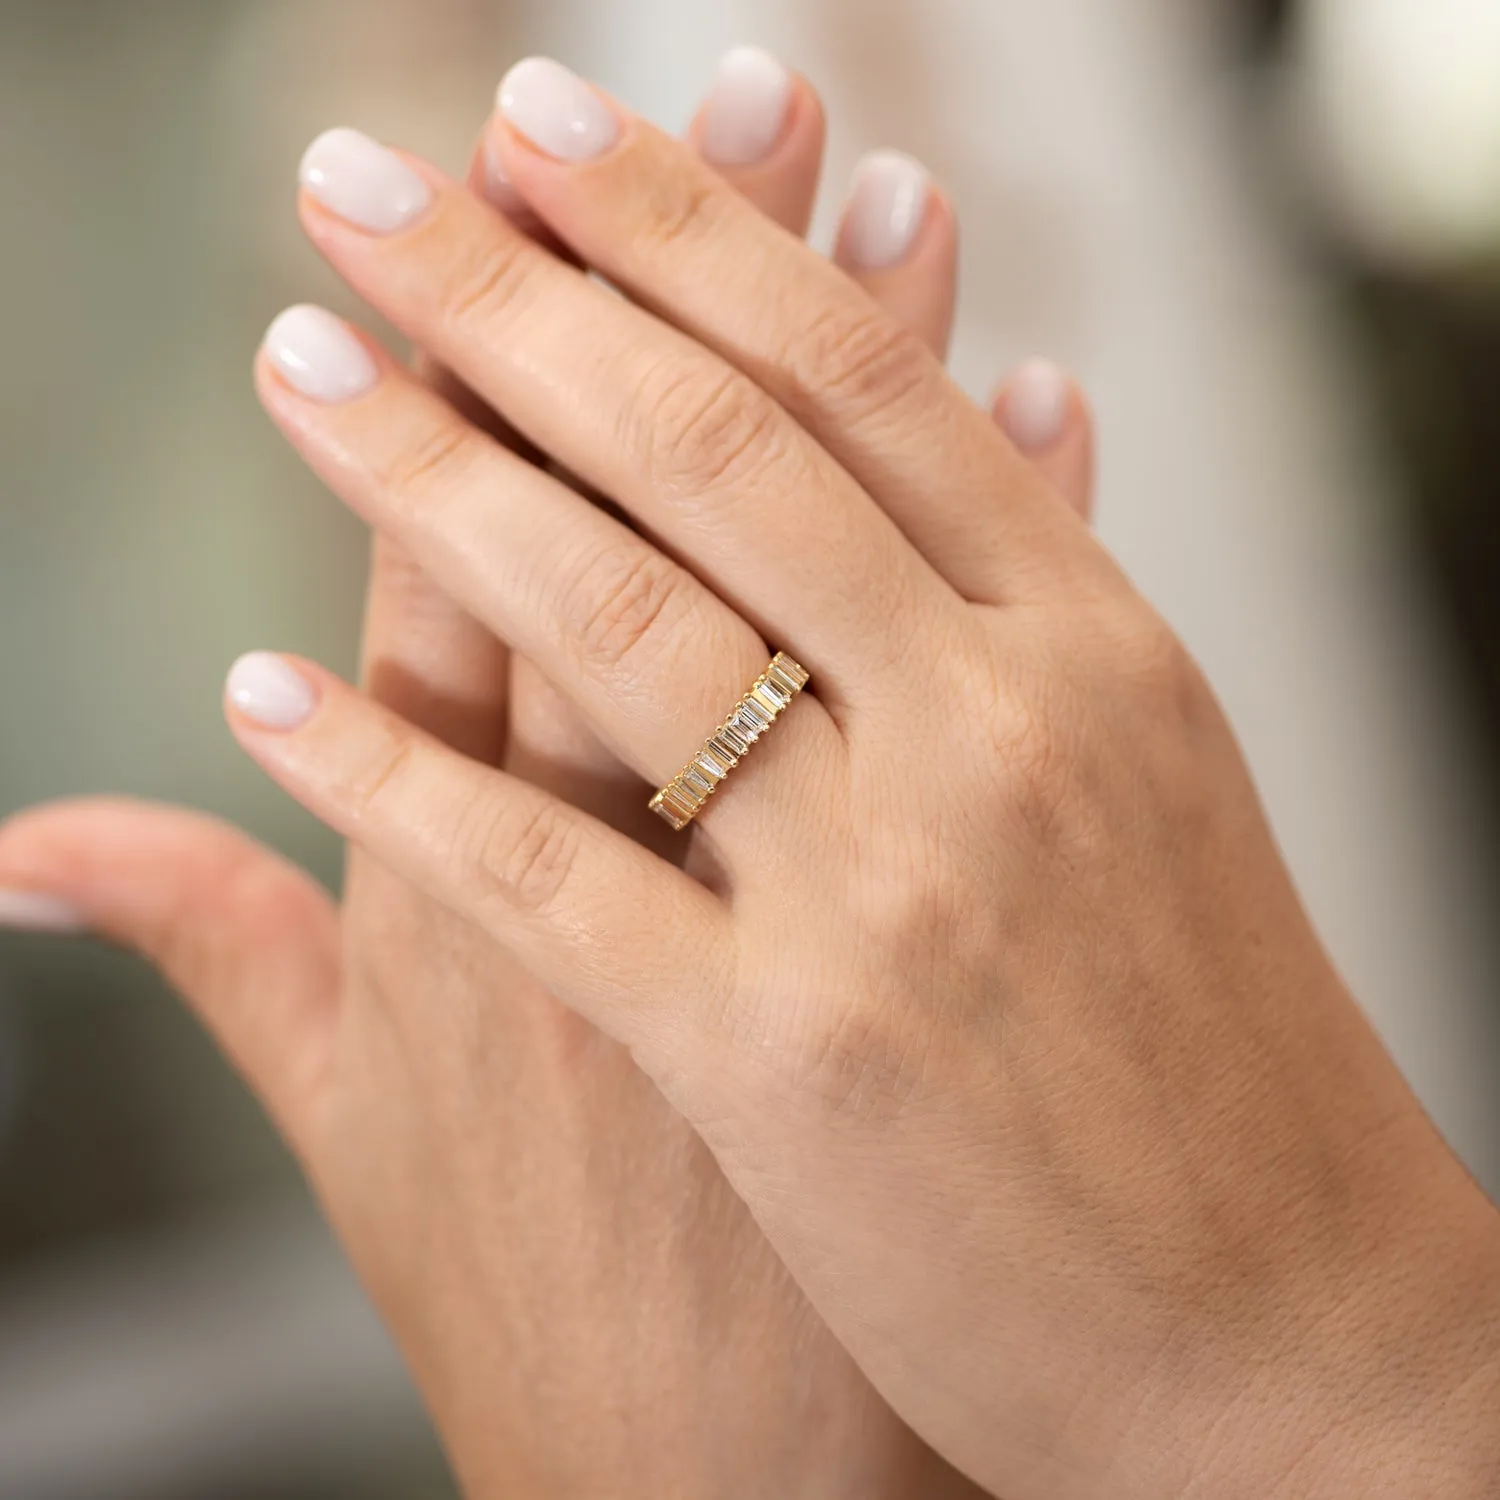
x=588 y=1308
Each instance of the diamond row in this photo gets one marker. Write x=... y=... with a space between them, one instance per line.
x=682 y=797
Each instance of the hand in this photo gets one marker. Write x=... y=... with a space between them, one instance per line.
x=589 y=1309
x=982 y=979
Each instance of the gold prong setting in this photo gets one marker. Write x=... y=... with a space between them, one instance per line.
x=682 y=798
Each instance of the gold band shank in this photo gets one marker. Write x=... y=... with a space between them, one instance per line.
x=682 y=798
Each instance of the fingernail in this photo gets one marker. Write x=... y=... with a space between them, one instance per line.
x=499 y=190
x=361 y=181
x=886 y=208
x=746 y=108
x=267 y=689
x=318 y=354
x=556 y=110
x=1035 y=409
x=28 y=911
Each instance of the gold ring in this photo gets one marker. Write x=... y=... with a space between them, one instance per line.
x=682 y=798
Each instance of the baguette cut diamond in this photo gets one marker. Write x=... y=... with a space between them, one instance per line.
x=675 y=808
x=680 y=801
x=785 y=671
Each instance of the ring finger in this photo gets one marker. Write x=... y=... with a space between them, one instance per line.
x=649 y=653
x=763 y=128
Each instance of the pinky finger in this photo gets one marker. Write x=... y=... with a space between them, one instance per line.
x=1046 y=415
x=899 y=240
x=577 y=903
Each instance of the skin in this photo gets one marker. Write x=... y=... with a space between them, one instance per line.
x=1003 y=1020
x=587 y=1306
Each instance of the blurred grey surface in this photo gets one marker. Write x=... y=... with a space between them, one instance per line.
x=173 y=1322
x=232 y=1356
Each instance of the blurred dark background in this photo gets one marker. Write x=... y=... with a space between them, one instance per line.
x=1300 y=202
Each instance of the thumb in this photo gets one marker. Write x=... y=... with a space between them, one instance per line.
x=248 y=939
x=1046 y=415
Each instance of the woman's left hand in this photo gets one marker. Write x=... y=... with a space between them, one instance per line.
x=982 y=977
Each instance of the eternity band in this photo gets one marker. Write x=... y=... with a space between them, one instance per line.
x=682 y=798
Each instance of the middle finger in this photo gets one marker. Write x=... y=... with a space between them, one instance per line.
x=700 y=455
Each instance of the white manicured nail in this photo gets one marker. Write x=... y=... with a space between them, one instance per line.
x=556 y=110
x=319 y=355
x=886 y=208
x=499 y=190
x=266 y=688
x=361 y=181
x=1035 y=409
x=746 y=108
x=28 y=911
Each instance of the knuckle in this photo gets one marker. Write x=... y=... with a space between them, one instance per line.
x=1034 y=767
x=680 y=214
x=435 y=459
x=1159 y=671
x=483 y=285
x=862 y=361
x=382 y=780
x=1167 y=666
x=626 y=597
x=526 y=856
x=1036 y=753
x=704 y=432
